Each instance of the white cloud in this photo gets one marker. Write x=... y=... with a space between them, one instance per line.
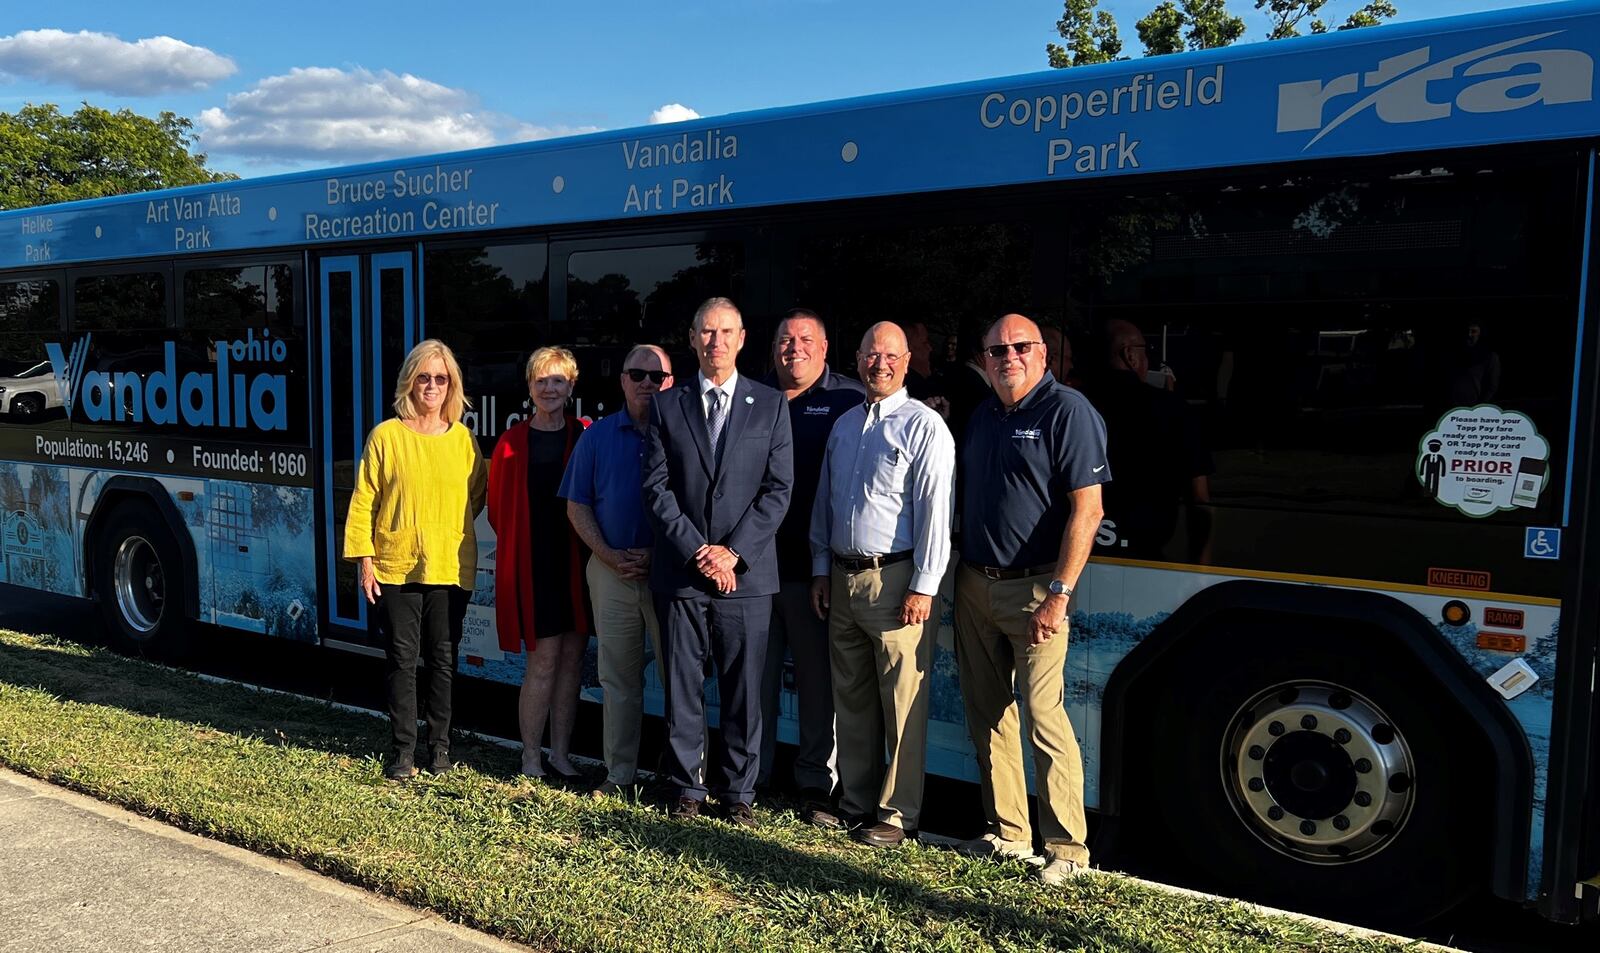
x=322 y=113
x=672 y=112
x=100 y=61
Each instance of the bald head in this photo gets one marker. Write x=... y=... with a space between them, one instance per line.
x=1127 y=350
x=1020 y=365
x=883 y=360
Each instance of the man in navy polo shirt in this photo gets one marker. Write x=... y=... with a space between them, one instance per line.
x=817 y=397
x=1032 y=465
x=604 y=502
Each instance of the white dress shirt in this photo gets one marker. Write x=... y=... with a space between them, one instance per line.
x=726 y=387
x=887 y=486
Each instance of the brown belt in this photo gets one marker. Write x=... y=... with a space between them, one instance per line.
x=994 y=572
x=863 y=563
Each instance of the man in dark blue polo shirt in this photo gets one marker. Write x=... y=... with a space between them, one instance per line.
x=817 y=397
x=1032 y=465
x=604 y=502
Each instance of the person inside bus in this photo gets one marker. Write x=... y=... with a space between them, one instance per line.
x=538 y=579
x=816 y=397
x=606 y=509
x=1032 y=468
x=1156 y=449
x=419 y=488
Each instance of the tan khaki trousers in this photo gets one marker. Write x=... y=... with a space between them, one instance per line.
x=997 y=662
x=624 y=615
x=880 y=694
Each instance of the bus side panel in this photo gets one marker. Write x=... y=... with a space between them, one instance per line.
x=39 y=544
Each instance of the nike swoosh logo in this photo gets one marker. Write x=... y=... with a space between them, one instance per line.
x=1098 y=468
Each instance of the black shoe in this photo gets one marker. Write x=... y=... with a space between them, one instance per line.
x=882 y=834
x=739 y=814
x=400 y=768
x=684 y=809
x=439 y=763
x=817 y=810
x=572 y=779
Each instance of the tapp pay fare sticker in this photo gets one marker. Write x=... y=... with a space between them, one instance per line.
x=1483 y=459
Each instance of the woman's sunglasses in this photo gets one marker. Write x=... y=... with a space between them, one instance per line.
x=439 y=380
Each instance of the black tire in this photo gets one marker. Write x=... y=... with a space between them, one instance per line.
x=1200 y=802
x=139 y=583
x=27 y=407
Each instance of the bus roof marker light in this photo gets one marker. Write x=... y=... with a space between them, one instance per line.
x=97 y=231
x=558 y=184
x=272 y=213
x=849 y=152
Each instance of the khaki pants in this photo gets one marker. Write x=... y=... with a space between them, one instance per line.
x=624 y=615
x=997 y=661
x=880 y=694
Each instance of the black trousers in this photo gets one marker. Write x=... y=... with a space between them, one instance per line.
x=421 y=621
x=731 y=634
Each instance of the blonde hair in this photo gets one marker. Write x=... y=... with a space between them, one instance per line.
x=455 y=398
x=548 y=359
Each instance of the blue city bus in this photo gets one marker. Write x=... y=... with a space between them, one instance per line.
x=1336 y=645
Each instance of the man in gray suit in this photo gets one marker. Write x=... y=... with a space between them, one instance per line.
x=717 y=474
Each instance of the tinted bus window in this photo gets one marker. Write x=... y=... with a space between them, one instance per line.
x=229 y=299
x=30 y=306
x=120 y=302
x=490 y=303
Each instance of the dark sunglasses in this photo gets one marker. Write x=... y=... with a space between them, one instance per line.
x=439 y=380
x=638 y=374
x=998 y=352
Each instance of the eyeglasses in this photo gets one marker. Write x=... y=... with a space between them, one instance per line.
x=439 y=380
x=877 y=357
x=638 y=375
x=999 y=351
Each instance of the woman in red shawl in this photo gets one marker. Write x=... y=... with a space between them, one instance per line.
x=539 y=600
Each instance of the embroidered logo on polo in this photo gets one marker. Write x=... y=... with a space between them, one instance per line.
x=1034 y=434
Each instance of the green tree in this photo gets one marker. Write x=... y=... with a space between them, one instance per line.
x=1091 y=36
x=1287 y=15
x=48 y=157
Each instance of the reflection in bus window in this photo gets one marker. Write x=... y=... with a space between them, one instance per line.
x=229 y=299
x=125 y=302
x=624 y=296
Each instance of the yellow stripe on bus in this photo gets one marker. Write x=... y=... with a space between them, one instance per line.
x=1328 y=581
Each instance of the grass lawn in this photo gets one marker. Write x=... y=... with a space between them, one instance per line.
x=548 y=868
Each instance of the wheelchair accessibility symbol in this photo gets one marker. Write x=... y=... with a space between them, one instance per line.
x=1541 y=543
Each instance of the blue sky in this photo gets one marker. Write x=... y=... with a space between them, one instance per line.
x=293 y=84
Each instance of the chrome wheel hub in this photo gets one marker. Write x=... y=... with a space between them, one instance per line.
x=138 y=584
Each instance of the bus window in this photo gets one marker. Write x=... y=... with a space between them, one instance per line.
x=127 y=302
x=491 y=304
x=30 y=315
x=230 y=299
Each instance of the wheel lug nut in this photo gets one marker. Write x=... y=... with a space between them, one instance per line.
x=1363 y=799
x=1342 y=736
x=1275 y=812
x=1341 y=822
x=1256 y=784
x=1363 y=765
x=1275 y=729
x=1308 y=828
x=1309 y=722
x=1257 y=752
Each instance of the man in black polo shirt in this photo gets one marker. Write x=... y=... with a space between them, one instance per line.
x=1033 y=461
x=817 y=397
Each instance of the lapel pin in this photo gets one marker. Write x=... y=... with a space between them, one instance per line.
x=749 y=400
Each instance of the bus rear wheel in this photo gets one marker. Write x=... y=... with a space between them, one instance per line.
x=1326 y=780
x=139 y=582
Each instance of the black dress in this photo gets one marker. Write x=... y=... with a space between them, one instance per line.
x=551 y=534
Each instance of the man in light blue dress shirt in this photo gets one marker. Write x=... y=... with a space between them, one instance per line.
x=880 y=542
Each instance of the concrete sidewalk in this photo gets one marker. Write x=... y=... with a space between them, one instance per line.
x=80 y=876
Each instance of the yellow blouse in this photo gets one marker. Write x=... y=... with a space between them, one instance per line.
x=415 y=501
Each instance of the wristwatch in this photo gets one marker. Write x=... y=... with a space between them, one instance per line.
x=1059 y=588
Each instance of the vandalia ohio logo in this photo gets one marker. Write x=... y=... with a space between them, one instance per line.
x=219 y=398
x=1497 y=78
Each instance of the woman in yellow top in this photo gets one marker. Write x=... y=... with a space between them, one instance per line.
x=420 y=487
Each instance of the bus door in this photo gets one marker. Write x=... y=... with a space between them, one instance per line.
x=368 y=312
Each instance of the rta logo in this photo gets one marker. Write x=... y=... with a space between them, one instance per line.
x=1502 y=78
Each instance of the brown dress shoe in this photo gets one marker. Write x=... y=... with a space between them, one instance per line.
x=881 y=834
x=739 y=814
x=684 y=809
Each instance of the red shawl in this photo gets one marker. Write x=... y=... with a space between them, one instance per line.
x=513 y=561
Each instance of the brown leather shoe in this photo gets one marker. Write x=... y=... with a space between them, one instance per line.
x=881 y=834
x=740 y=815
x=684 y=809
